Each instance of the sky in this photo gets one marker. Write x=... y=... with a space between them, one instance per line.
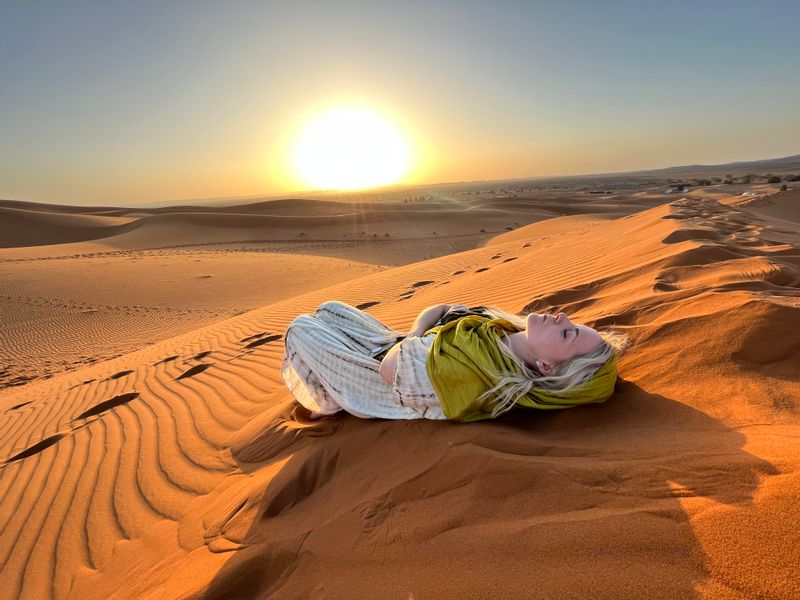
x=143 y=102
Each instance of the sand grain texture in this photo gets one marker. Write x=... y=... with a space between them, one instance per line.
x=185 y=470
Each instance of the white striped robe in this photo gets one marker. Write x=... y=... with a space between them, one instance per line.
x=328 y=366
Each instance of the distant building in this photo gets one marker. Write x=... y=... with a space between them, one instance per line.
x=675 y=188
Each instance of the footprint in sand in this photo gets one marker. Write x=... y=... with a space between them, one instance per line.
x=167 y=359
x=510 y=259
x=20 y=405
x=459 y=272
x=202 y=355
x=118 y=375
x=421 y=283
x=665 y=283
x=663 y=286
x=495 y=256
x=107 y=405
x=83 y=382
x=55 y=438
x=252 y=337
x=269 y=338
x=364 y=305
x=36 y=448
x=482 y=270
x=193 y=371
x=526 y=244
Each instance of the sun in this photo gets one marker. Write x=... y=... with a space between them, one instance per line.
x=350 y=148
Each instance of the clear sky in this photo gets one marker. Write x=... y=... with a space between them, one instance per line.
x=138 y=102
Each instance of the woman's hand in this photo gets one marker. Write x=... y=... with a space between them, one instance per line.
x=389 y=363
x=428 y=318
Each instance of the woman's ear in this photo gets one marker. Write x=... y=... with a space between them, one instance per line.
x=545 y=368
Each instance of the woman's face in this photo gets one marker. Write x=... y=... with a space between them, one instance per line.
x=554 y=339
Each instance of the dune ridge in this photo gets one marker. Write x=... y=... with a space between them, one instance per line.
x=185 y=470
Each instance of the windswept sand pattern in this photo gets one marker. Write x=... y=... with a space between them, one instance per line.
x=56 y=317
x=194 y=473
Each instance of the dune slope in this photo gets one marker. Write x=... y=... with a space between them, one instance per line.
x=185 y=470
x=33 y=228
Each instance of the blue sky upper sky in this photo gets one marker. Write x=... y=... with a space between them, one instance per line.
x=139 y=102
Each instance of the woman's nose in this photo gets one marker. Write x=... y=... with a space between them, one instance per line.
x=561 y=317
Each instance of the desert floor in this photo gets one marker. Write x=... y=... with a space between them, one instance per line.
x=149 y=448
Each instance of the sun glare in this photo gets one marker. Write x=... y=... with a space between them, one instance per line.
x=350 y=148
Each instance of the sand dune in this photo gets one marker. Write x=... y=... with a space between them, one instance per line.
x=55 y=208
x=31 y=232
x=781 y=205
x=32 y=224
x=60 y=314
x=34 y=228
x=185 y=470
x=544 y=230
x=64 y=304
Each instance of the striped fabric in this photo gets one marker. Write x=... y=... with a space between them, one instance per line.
x=412 y=386
x=328 y=366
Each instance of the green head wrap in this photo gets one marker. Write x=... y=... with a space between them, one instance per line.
x=466 y=352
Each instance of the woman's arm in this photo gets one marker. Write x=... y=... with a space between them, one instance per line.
x=427 y=319
x=424 y=321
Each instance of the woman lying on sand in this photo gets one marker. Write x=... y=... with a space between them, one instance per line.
x=457 y=362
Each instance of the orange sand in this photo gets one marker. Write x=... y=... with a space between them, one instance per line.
x=183 y=469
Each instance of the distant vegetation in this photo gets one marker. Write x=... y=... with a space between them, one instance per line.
x=730 y=179
x=758 y=178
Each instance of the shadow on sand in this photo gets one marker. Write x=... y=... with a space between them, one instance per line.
x=587 y=502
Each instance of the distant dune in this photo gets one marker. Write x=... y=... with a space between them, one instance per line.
x=26 y=224
x=35 y=228
x=770 y=164
x=781 y=205
x=184 y=469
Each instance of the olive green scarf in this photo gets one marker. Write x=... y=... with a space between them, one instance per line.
x=466 y=351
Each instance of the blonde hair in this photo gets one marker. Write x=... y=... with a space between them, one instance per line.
x=568 y=374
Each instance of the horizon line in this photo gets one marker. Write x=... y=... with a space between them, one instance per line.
x=400 y=186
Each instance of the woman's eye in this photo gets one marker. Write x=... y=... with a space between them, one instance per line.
x=564 y=333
